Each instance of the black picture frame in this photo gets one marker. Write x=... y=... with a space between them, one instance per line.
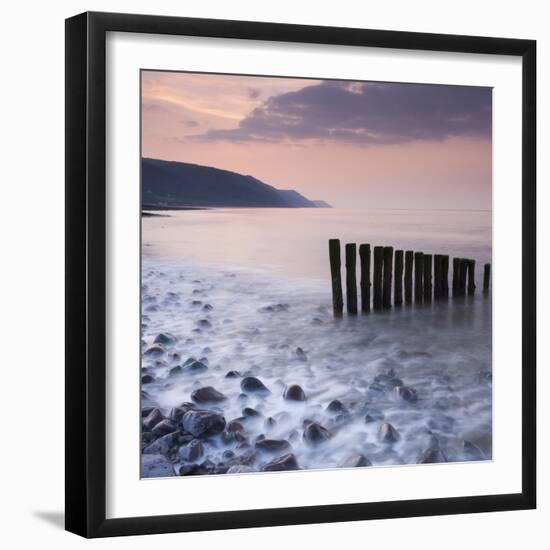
x=86 y=271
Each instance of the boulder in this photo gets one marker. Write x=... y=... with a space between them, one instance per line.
x=165 y=338
x=207 y=394
x=191 y=366
x=432 y=456
x=233 y=374
x=282 y=463
x=202 y=422
x=240 y=469
x=162 y=446
x=163 y=427
x=204 y=323
x=192 y=451
x=272 y=445
x=387 y=433
x=336 y=407
x=356 y=461
x=251 y=384
x=294 y=393
x=147 y=379
x=152 y=419
x=187 y=468
x=156 y=465
x=154 y=351
x=174 y=371
x=315 y=434
x=250 y=412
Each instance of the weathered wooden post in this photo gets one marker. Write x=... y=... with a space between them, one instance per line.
x=456 y=276
x=398 y=286
x=445 y=276
x=364 y=260
x=438 y=282
x=428 y=278
x=388 y=273
x=418 y=277
x=463 y=270
x=351 y=278
x=471 y=276
x=486 y=277
x=336 y=277
x=409 y=255
x=377 y=277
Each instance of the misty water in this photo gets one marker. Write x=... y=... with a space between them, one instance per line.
x=248 y=290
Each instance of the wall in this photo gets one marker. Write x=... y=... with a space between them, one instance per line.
x=31 y=126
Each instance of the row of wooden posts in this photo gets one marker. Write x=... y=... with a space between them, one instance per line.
x=431 y=277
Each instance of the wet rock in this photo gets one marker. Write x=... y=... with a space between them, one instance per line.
x=235 y=426
x=240 y=469
x=187 y=468
x=241 y=438
x=146 y=411
x=242 y=397
x=301 y=354
x=192 y=451
x=146 y=438
x=336 y=407
x=165 y=338
x=228 y=455
x=201 y=422
x=177 y=413
x=204 y=323
x=194 y=367
x=153 y=418
x=282 y=463
x=162 y=446
x=387 y=382
x=294 y=393
x=154 y=351
x=473 y=452
x=156 y=465
x=315 y=434
x=272 y=445
x=147 y=379
x=164 y=427
x=432 y=456
x=174 y=371
x=405 y=393
x=196 y=303
x=274 y=308
x=207 y=307
x=250 y=412
x=207 y=395
x=388 y=434
x=233 y=374
x=251 y=384
x=356 y=461
x=373 y=415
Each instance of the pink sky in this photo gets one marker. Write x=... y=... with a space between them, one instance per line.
x=351 y=144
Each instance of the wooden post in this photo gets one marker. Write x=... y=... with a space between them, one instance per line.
x=438 y=283
x=463 y=269
x=388 y=272
x=471 y=276
x=336 y=277
x=364 y=260
x=444 y=276
x=427 y=278
x=351 y=278
x=398 y=286
x=377 y=277
x=409 y=255
x=486 y=277
x=456 y=276
x=418 y=277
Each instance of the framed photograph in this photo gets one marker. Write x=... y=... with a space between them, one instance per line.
x=300 y=274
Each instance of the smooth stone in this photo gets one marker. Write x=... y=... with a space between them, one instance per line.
x=373 y=415
x=233 y=374
x=235 y=426
x=387 y=433
x=204 y=323
x=162 y=446
x=240 y=469
x=207 y=307
x=146 y=411
x=196 y=303
x=147 y=379
x=272 y=445
x=294 y=393
x=187 y=468
x=405 y=393
x=156 y=465
x=251 y=384
x=165 y=338
x=336 y=406
x=227 y=455
x=282 y=463
x=146 y=438
x=432 y=456
x=250 y=412
x=194 y=367
x=301 y=354
x=315 y=434
x=207 y=395
x=192 y=451
x=152 y=419
x=274 y=308
x=174 y=371
x=154 y=351
x=164 y=427
x=199 y=422
x=473 y=452
x=356 y=461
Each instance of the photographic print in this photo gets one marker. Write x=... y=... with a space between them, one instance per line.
x=316 y=274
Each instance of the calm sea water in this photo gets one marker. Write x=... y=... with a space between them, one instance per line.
x=294 y=241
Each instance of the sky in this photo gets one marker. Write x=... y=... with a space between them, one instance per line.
x=354 y=144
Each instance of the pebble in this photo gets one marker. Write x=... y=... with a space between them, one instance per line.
x=233 y=374
x=192 y=451
x=153 y=418
x=194 y=367
x=282 y=463
x=154 y=351
x=294 y=393
x=163 y=427
x=200 y=422
x=432 y=456
x=165 y=338
x=356 y=461
x=147 y=379
x=156 y=465
x=251 y=384
x=162 y=446
x=272 y=445
x=204 y=323
x=207 y=394
x=387 y=433
x=335 y=407
x=315 y=434
x=249 y=412
x=240 y=469
x=301 y=354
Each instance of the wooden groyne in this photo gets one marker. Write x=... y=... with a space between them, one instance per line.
x=398 y=277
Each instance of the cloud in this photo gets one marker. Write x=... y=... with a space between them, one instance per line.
x=190 y=123
x=254 y=93
x=366 y=113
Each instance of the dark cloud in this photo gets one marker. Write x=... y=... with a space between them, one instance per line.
x=254 y=93
x=366 y=113
x=190 y=123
